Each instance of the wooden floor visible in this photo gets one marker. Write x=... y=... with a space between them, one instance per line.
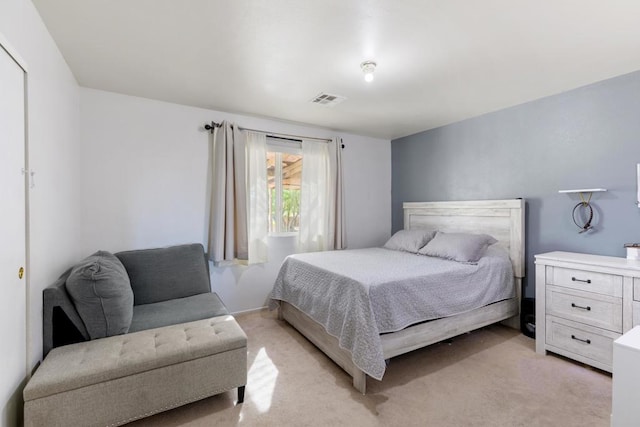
x=490 y=377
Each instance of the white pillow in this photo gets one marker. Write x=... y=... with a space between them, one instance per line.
x=409 y=240
x=461 y=247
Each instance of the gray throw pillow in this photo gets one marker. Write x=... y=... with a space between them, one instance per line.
x=461 y=247
x=100 y=289
x=409 y=240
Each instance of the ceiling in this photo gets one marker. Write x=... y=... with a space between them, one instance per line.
x=439 y=61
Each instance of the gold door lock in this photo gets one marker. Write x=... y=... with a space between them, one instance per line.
x=20 y=272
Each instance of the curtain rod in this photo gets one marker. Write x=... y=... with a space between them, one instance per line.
x=213 y=125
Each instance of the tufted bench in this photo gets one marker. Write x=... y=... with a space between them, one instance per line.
x=116 y=380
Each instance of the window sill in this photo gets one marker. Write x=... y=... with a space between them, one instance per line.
x=230 y=263
x=287 y=234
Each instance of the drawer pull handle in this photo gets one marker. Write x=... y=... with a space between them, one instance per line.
x=581 y=307
x=573 y=337
x=580 y=280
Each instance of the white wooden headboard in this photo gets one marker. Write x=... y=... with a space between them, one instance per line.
x=502 y=219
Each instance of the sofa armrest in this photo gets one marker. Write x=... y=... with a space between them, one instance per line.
x=61 y=323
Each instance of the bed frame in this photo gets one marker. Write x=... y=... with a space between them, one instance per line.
x=503 y=219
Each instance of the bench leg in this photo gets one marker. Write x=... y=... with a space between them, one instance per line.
x=240 y=394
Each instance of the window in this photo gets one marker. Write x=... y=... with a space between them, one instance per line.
x=270 y=170
x=284 y=173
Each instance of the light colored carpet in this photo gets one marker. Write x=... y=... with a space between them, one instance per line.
x=490 y=377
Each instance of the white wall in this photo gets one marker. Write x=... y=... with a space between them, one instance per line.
x=53 y=103
x=144 y=170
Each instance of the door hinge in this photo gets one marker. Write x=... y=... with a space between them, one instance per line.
x=31 y=173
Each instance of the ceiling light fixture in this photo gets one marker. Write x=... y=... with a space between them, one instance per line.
x=368 y=67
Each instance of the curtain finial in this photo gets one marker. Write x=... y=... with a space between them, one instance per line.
x=211 y=127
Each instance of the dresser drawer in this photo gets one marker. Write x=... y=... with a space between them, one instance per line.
x=575 y=339
x=593 y=309
x=636 y=313
x=602 y=283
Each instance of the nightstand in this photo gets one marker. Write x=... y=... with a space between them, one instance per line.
x=583 y=303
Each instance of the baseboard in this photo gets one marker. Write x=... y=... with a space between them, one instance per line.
x=250 y=311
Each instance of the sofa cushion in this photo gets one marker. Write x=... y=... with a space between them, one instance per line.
x=100 y=290
x=166 y=273
x=189 y=309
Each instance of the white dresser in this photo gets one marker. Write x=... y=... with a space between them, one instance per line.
x=583 y=303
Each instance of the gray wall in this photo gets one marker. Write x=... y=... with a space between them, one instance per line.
x=585 y=138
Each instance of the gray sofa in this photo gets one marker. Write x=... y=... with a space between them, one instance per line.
x=165 y=340
x=170 y=286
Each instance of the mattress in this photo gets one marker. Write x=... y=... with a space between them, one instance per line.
x=358 y=294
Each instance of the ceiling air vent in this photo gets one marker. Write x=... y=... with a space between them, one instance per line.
x=327 y=99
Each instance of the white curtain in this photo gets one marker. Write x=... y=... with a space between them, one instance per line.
x=322 y=224
x=238 y=219
x=314 y=219
x=258 y=197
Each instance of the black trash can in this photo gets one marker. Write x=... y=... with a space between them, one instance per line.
x=528 y=317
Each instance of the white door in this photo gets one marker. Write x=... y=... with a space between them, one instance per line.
x=13 y=359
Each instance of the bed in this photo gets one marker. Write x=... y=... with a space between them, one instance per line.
x=366 y=332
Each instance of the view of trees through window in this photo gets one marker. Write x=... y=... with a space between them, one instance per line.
x=284 y=172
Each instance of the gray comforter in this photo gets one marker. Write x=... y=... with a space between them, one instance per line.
x=359 y=294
